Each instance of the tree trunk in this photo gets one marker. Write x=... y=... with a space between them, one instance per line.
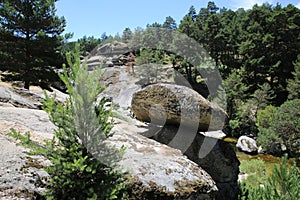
x=27 y=84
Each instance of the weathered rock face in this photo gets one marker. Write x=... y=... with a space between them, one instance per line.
x=111 y=49
x=23 y=120
x=157 y=171
x=22 y=98
x=110 y=54
x=177 y=105
x=19 y=98
x=247 y=144
x=21 y=176
x=214 y=156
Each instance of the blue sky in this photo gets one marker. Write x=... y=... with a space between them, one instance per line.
x=93 y=17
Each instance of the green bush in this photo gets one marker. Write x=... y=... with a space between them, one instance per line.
x=281 y=125
x=243 y=119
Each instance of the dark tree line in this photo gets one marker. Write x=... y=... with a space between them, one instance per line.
x=30 y=41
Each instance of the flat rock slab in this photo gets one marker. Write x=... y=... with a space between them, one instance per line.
x=156 y=169
x=23 y=120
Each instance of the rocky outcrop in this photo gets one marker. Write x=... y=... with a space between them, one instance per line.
x=111 y=54
x=247 y=144
x=26 y=120
x=157 y=171
x=19 y=98
x=111 y=49
x=121 y=87
x=22 y=98
x=213 y=155
x=176 y=105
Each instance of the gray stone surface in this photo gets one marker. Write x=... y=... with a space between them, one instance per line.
x=24 y=119
x=111 y=49
x=156 y=169
x=155 y=165
x=18 y=178
x=20 y=98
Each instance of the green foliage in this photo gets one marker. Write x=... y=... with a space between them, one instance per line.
x=170 y=24
x=263 y=96
x=84 y=167
x=30 y=41
x=240 y=113
x=282 y=184
x=87 y=44
x=280 y=125
x=146 y=56
x=256 y=170
x=127 y=35
x=244 y=119
x=293 y=86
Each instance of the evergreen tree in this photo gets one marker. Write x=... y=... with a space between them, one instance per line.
x=188 y=24
x=87 y=44
x=170 y=24
x=293 y=86
x=281 y=125
x=83 y=166
x=263 y=96
x=30 y=39
x=127 y=35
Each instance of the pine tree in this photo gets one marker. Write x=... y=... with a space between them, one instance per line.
x=83 y=165
x=127 y=35
x=293 y=86
x=170 y=24
x=30 y=38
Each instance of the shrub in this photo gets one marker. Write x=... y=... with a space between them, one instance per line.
x=280 y=125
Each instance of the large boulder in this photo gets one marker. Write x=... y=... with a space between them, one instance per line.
x=176 y=105
x=247 y=144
